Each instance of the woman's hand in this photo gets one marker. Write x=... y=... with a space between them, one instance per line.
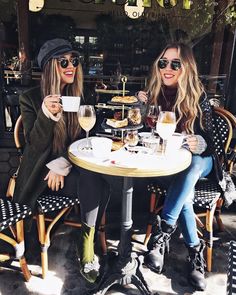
x=55 y=181
x=52 y=103
x=143 y=96
x=192 y=142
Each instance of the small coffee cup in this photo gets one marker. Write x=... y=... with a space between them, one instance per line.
x=70 y=103
x=174 y=142
x=101 y=147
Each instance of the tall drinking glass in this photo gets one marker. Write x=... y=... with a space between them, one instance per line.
x=165 y=127
x=152 y=116
x=87 y=119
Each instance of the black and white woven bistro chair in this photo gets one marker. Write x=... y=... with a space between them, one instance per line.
x=231 y=272
x=208 y=199
x=12 y=231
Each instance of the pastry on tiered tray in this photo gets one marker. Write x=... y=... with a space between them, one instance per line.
x=117 y=123
x=124 y=99
x=134 y=116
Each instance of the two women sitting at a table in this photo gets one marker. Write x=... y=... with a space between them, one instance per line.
x=175 y=86
x=48 y=133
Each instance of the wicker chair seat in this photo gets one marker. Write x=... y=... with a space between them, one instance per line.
x=49 y=203
x=207 y=193
x=156 y=189
x=11 y=212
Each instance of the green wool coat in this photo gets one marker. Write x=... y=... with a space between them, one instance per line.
x=37 y=151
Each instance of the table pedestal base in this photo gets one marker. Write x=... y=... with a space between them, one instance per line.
x=122 y=273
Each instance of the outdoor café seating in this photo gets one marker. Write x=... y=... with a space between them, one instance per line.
x=208 y=198
x=12 y=217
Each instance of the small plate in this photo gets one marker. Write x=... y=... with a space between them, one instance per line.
x=122 y=103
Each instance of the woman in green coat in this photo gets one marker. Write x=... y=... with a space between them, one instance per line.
x=48 y=133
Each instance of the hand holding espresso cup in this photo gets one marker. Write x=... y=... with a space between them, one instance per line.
x=52 y=103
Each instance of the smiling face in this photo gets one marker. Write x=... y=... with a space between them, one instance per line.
x=67 y=74
x=168 y=75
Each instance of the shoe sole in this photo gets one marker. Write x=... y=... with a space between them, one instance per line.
x=197 y=288
x=152 y=268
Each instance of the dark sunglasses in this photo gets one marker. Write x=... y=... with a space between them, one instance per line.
x=64 y=62
x=174 y=64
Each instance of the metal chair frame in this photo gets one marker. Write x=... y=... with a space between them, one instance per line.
x=13 y=227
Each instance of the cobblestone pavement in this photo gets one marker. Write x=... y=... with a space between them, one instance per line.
x=64 y=278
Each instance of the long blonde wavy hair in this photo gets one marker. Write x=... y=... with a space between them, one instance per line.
x=67 y=128
x=189 y=88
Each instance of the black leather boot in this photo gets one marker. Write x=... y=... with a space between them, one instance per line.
x=158 y=244
x=196 y=265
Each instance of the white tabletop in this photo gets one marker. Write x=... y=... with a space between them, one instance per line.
x=124 y=163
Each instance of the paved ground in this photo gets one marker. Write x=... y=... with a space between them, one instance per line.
x=64 y=277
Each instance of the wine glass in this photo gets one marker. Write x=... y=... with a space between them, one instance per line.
x=152 y=116
x=87 y=119
x=165 y=126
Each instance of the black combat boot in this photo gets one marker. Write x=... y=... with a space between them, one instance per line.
x=158 y=244
x=196 y=265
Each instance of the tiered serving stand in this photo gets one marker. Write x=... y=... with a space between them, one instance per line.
x=117 y=106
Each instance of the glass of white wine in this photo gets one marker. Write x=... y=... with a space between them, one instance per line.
x=87 y=119
x=165 y=127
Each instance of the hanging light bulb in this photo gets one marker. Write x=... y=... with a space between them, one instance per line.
x=36 y=5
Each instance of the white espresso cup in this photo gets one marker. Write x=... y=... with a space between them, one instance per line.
x=101 y=147
x=174 y=143
x=70 y=103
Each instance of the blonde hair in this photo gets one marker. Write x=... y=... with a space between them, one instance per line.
x=189 y=89
x=67 y=128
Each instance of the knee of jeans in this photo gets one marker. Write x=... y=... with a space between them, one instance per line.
x=188 y=205
x=195 y=169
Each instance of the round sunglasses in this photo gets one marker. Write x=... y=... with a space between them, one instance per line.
x=175 y=64
x=64 y=62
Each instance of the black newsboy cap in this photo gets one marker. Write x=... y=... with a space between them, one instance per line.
x=53 y=48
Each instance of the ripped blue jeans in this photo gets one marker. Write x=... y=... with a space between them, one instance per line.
x=178 y=203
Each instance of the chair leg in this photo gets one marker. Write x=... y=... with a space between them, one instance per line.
x=44 y=248
x=102 y=234
x=18 y=243
x=209 y=229
x=219 y=221
x=150 y=220
x=44 y=237
x=24 y=268
x=21 y=243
